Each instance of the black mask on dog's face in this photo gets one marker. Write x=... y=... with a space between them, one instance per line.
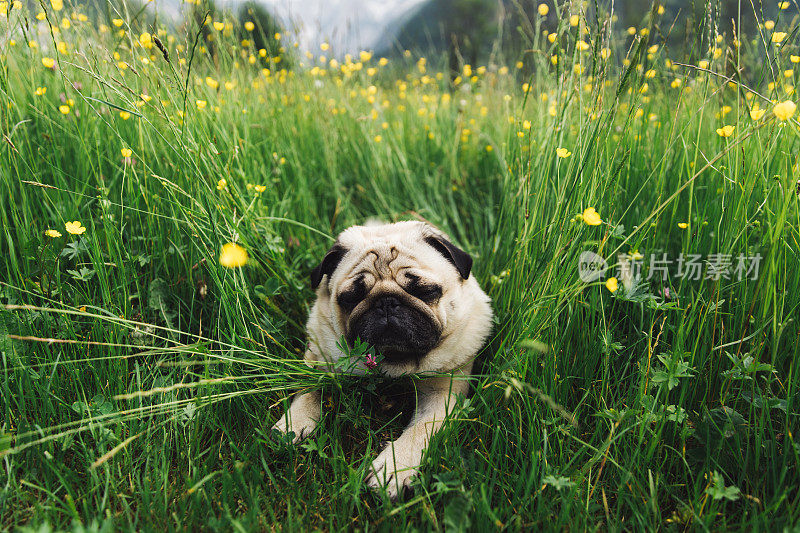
x=396 y=328
x=391 y=301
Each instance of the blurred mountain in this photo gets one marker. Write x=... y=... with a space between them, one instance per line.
x=462 y=27
x=467 y=28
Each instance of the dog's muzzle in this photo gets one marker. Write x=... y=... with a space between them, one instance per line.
x=398 y=331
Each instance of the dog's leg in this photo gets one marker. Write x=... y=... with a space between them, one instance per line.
x=302 y=416
x=398 y=463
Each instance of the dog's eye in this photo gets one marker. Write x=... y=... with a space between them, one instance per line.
x=426 y=293
x=352 y=296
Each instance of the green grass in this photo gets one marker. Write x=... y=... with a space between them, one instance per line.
x=152 y=408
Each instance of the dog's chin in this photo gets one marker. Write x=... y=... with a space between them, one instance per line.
x=400 y=332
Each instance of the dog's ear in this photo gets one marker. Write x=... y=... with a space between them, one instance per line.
x=460 y=259
x=328 y=265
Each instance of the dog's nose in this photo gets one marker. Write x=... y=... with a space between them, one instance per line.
x=388 y=304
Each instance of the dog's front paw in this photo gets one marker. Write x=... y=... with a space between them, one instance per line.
x=302 y=426
x=395 y=468
x=302 y=416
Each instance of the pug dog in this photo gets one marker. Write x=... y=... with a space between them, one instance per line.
x=407 y=291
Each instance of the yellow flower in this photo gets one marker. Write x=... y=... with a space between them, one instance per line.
x=769 y=24
x=591 y=217
x=124 y=115
x=201 y=104
x=53 y=233
x=249 y=26
x=683 y=225
x=543 y=10
x=725 y=131
x=117 y=22
x=756 y=113
x=222 y=184
x=676 y=83
x=64 y=109
x=211 y=82
x=783 y=5
x=784 y=110
x=232 y=256
x=40 y=91
x=48 y=62
x=794 y=59
x=146 y=40
x=57 y=5
x=260 y=188
x=778 y=36
x=563 y=153
x=324 y=46
x=612 y=284
x=75 y=228
x=126 y=152
x=574 y=20
x=378 y=138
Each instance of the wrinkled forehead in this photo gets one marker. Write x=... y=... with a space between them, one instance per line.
x=384 y=257
x=384 y=251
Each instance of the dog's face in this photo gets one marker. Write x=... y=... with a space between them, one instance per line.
x=399 y=287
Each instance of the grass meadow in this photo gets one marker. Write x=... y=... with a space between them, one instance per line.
x=140 y=377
